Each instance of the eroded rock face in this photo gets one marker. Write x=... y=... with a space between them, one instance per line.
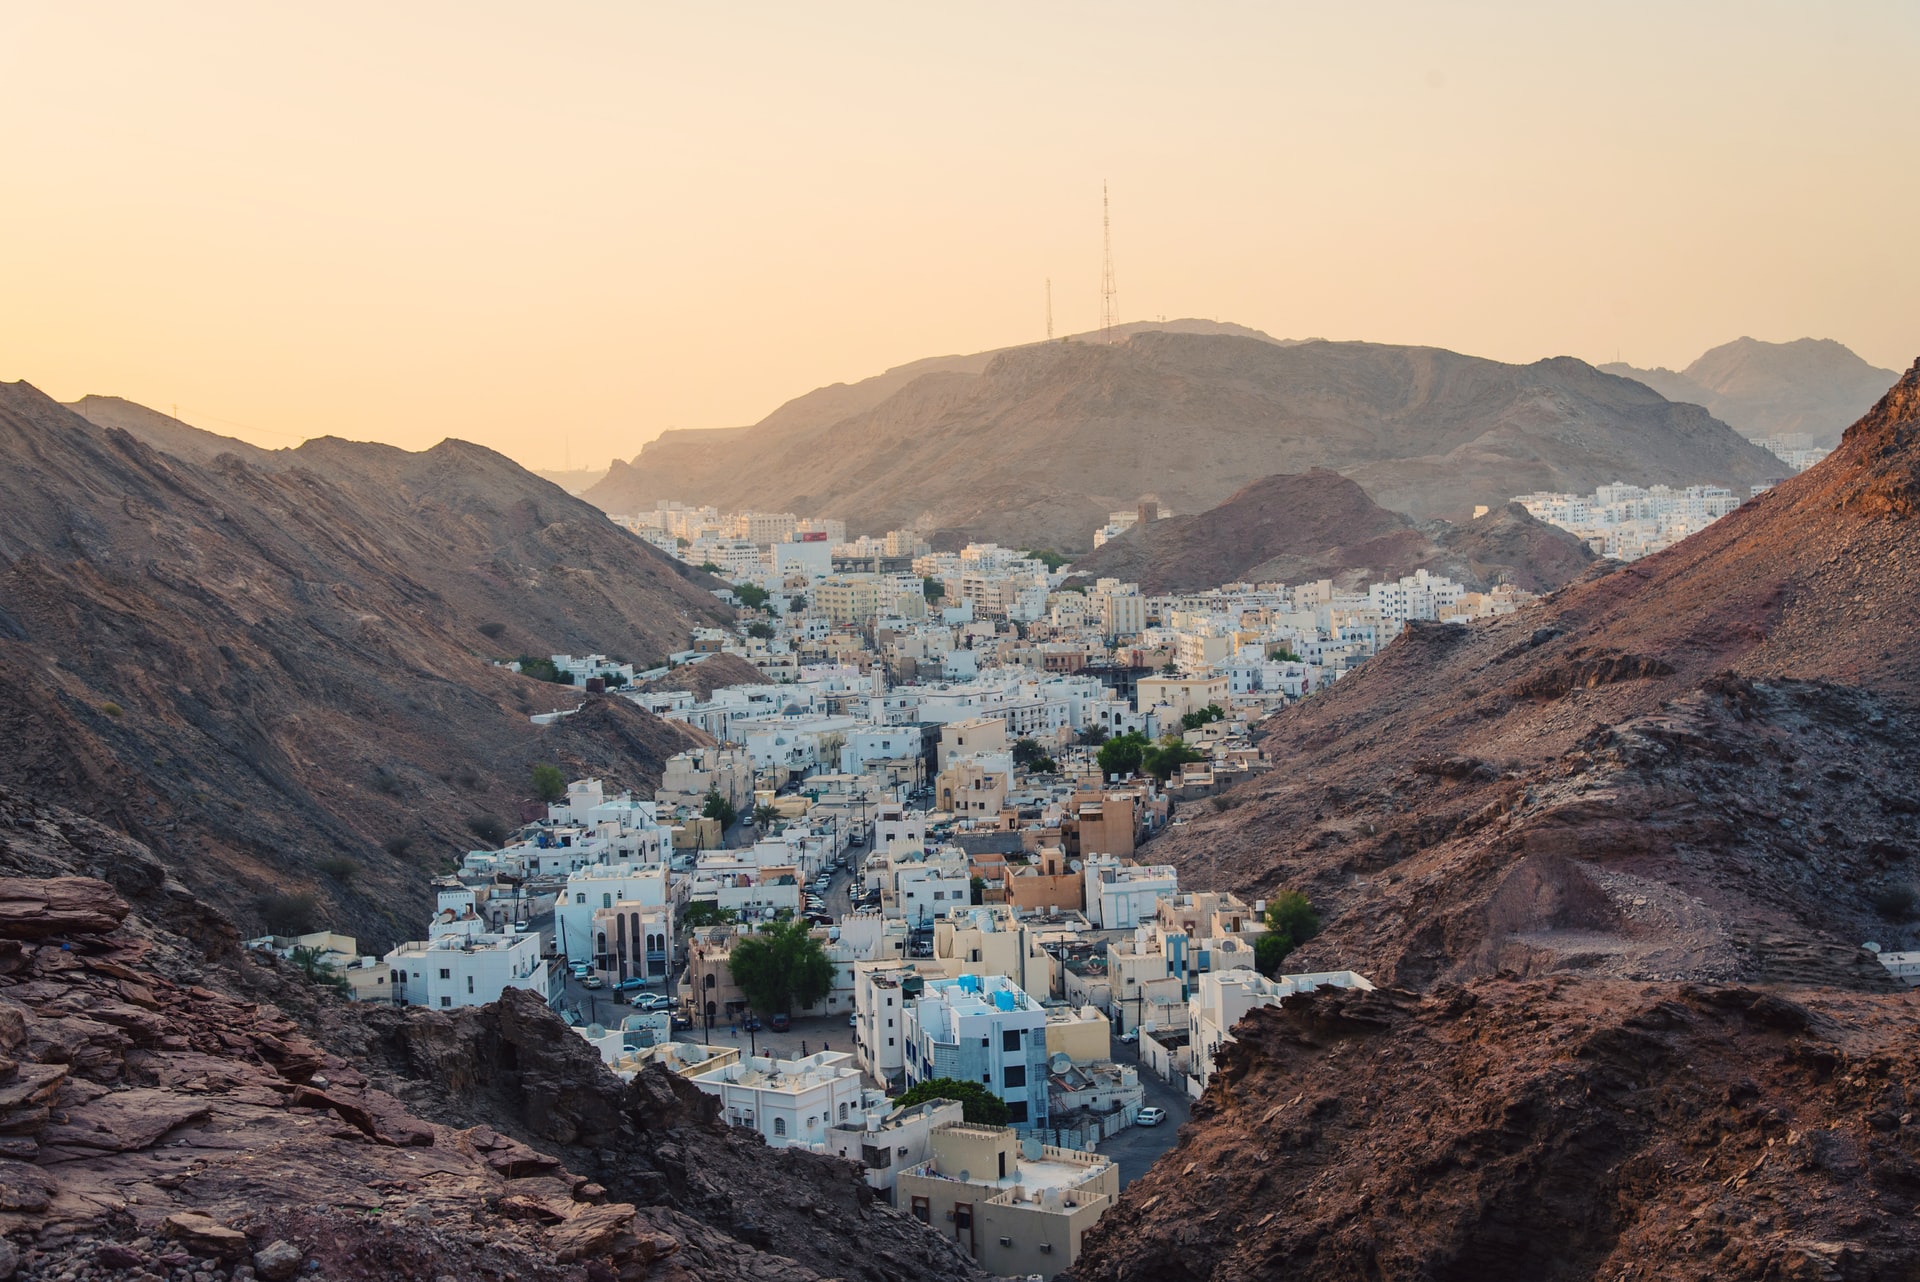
x=1558 y=1129
x=154 y=1118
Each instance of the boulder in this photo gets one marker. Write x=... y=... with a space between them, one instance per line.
x=278 y=1261
x=207 y=1236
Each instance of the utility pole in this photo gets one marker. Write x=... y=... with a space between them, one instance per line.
x=1106 y=274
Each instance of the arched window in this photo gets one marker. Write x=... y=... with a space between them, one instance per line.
x=843 y=1112
x=709 y=984
x=580 y=897
x=603 y=942
x=779 y=1126
x=606 y=901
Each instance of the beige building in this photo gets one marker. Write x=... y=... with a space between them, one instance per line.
x=969 y=791
x=1020 y=1208
x=1182 y=694
x=1083 y=1035
x=1045 y=884
x=970 y=738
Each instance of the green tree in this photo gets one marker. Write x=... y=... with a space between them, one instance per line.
x=488 y=828
x=718 y=807
x=1203 y=716
x=1027 y=751
x=751 y=595
x=1164 y=759
x=978 y=1105
x=548 y=783
x=542 y=669
x=933 y=588
x=704 y=912
x=1121 y=755
x=760 y=629
x=1283 y=654
x=781 y=967
x=1052 y=560
x=311 y=962
x=1044 y=766
x=766 y=815
x=977 y=890
x=1291 y=921
x=710 y=567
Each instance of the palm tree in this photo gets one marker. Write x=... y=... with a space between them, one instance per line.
x=766 y=815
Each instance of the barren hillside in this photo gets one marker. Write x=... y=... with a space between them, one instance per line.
x=280 y=675
x=1034 y=445
x=1320 y=525
x=1811 y=386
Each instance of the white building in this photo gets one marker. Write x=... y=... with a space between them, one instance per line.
x=1120 y=895
x=792 y=1101
x=981 y=1028
x=466 y=970
x=887 y=1145
x=601 y=886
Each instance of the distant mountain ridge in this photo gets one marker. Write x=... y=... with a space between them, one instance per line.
x=1320 y=525
x=1035 y=445
x=1810 y=386
x=274 y=666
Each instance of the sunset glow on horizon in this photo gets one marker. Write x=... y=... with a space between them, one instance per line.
x=558 y=231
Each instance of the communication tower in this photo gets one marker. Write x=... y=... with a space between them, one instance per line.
x=1106 y=274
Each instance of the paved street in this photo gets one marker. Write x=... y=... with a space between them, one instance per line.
x=1136 y=1148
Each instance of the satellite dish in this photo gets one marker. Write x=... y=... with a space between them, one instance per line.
x=1074 y=864
x=596 y=1031
x=1059 y=1062
x=1030 y=1151
x=965 y=1175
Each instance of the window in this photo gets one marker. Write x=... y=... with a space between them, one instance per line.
x=445 y=973
x=445 y=1000
x=779 y=1126
x=1016 y=1111
x=580 y=897
x=1015 y=1075
x=469 y=983
x=889 y=1041
x=922 y=1210
x=606 y=901
x=976 y=954
x=1010 y=1039
x=843 y=1112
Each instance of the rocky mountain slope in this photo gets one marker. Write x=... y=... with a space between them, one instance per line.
x=1551 y=1129
x=1811 y=386
x=160 y=1117
x=279 y=674
x=1619 y=853
x=1034 y=445
x=1320 y=525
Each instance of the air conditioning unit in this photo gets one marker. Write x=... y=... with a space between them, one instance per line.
x=1006 y=1241
x=1046 y=1248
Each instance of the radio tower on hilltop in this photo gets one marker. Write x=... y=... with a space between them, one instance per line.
x=1049 y=309
x=1106 y=273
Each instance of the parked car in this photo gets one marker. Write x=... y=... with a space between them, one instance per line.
x=1150 y=1116
x=594 y=981
x=1131 y=1036
x=753 y=1024
x=853 y=1019
x=682 y=1021
x=781 y=1023
x=628 y=985
x=651 y=1001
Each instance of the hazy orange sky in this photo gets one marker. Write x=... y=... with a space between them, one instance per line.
x=555 y=228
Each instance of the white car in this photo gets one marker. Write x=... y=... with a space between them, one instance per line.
x=1150 y=1116
x=1131 y=1036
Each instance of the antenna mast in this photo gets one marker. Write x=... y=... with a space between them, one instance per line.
x=1106 y=275
x=1049 y=309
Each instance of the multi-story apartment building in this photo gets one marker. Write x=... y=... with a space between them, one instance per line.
x=1020 y=1208
x=982 y=1028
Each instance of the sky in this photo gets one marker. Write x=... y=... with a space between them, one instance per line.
x=558 y=230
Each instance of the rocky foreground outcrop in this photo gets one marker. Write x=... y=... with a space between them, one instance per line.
x=157 y=1122
x=1553 y=1130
